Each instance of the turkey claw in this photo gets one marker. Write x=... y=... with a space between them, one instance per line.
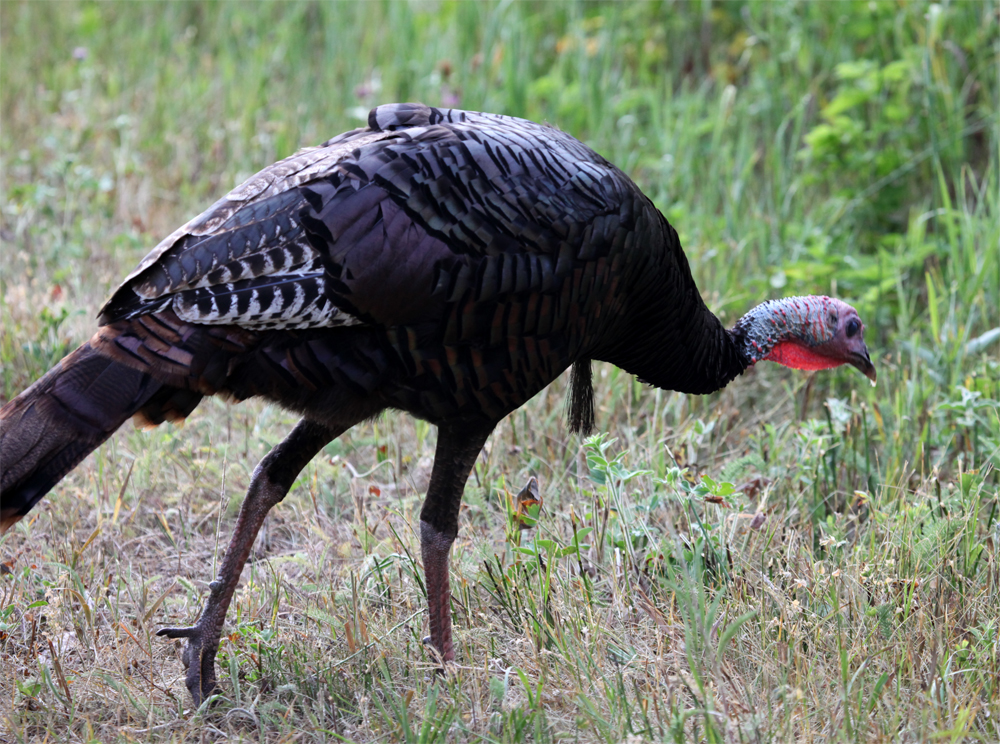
x=198 y=658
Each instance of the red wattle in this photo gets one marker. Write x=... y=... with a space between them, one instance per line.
x=797 y=356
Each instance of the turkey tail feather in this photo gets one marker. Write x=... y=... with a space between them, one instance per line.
x=50 y=427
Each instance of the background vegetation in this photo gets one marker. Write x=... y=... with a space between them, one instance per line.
x=800 y=557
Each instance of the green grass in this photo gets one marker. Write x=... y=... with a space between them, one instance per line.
x=844 y=148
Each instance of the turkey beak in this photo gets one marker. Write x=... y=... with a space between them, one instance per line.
x=863 y=362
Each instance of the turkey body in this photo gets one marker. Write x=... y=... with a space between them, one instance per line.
x=444 y=263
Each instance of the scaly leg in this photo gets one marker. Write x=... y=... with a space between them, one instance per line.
x=270 y=483
x=457 y=449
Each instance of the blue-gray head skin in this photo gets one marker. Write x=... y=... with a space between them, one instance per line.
x=805 y=333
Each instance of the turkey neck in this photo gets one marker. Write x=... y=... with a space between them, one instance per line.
x=667 y=336
x=682 y=346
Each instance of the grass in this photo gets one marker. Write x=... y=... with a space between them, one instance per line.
x=799 y=557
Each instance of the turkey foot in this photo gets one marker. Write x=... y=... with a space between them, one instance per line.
x=198 y=658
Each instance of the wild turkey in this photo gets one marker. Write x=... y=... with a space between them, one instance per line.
x=446 y=263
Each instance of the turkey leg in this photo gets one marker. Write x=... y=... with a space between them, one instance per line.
x=270 y=483
x=457 y=450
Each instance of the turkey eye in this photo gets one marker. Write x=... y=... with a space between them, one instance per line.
x=852 y=327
